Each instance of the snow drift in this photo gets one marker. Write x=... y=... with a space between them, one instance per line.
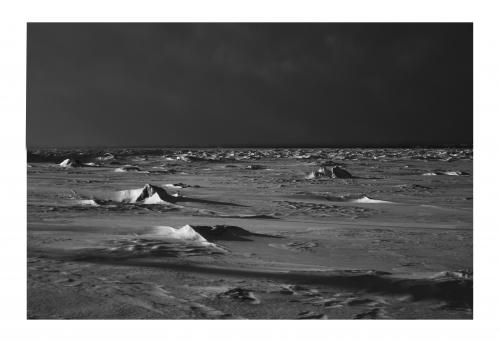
x=446 y=173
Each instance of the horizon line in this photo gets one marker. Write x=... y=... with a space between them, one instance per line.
x=450 y=145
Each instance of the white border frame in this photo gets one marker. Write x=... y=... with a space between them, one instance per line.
x=484 y=14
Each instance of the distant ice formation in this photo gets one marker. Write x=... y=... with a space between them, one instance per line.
x=180 y=185
x=330 y=172
x=75 y=163
x=106 y=156
x=459 y=274
x=127 y=168
x=70 y=163
x=226 y=155
x=189 y=158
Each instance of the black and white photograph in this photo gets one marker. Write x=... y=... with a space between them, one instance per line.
x=261 y=170
x=249 y=170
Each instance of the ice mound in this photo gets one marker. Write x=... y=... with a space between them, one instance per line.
x=456 y=173
x=155 y=199
x=226 y=233
x=338 y=172
x=366 y=199
x=165 y=241
x=149 y=194
x=70 y=163
x=186 y=233
x=205 y=235
x=331 y=172
x=90 y=202
x=127 y=168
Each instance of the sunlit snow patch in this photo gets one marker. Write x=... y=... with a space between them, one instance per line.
x=446 y=173
x=366 y=199
x=185 y=233
x=89 y=202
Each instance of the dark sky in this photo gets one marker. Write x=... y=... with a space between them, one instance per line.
x=248 y=84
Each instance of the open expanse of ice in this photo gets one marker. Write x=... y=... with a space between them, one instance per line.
x=250 y=233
